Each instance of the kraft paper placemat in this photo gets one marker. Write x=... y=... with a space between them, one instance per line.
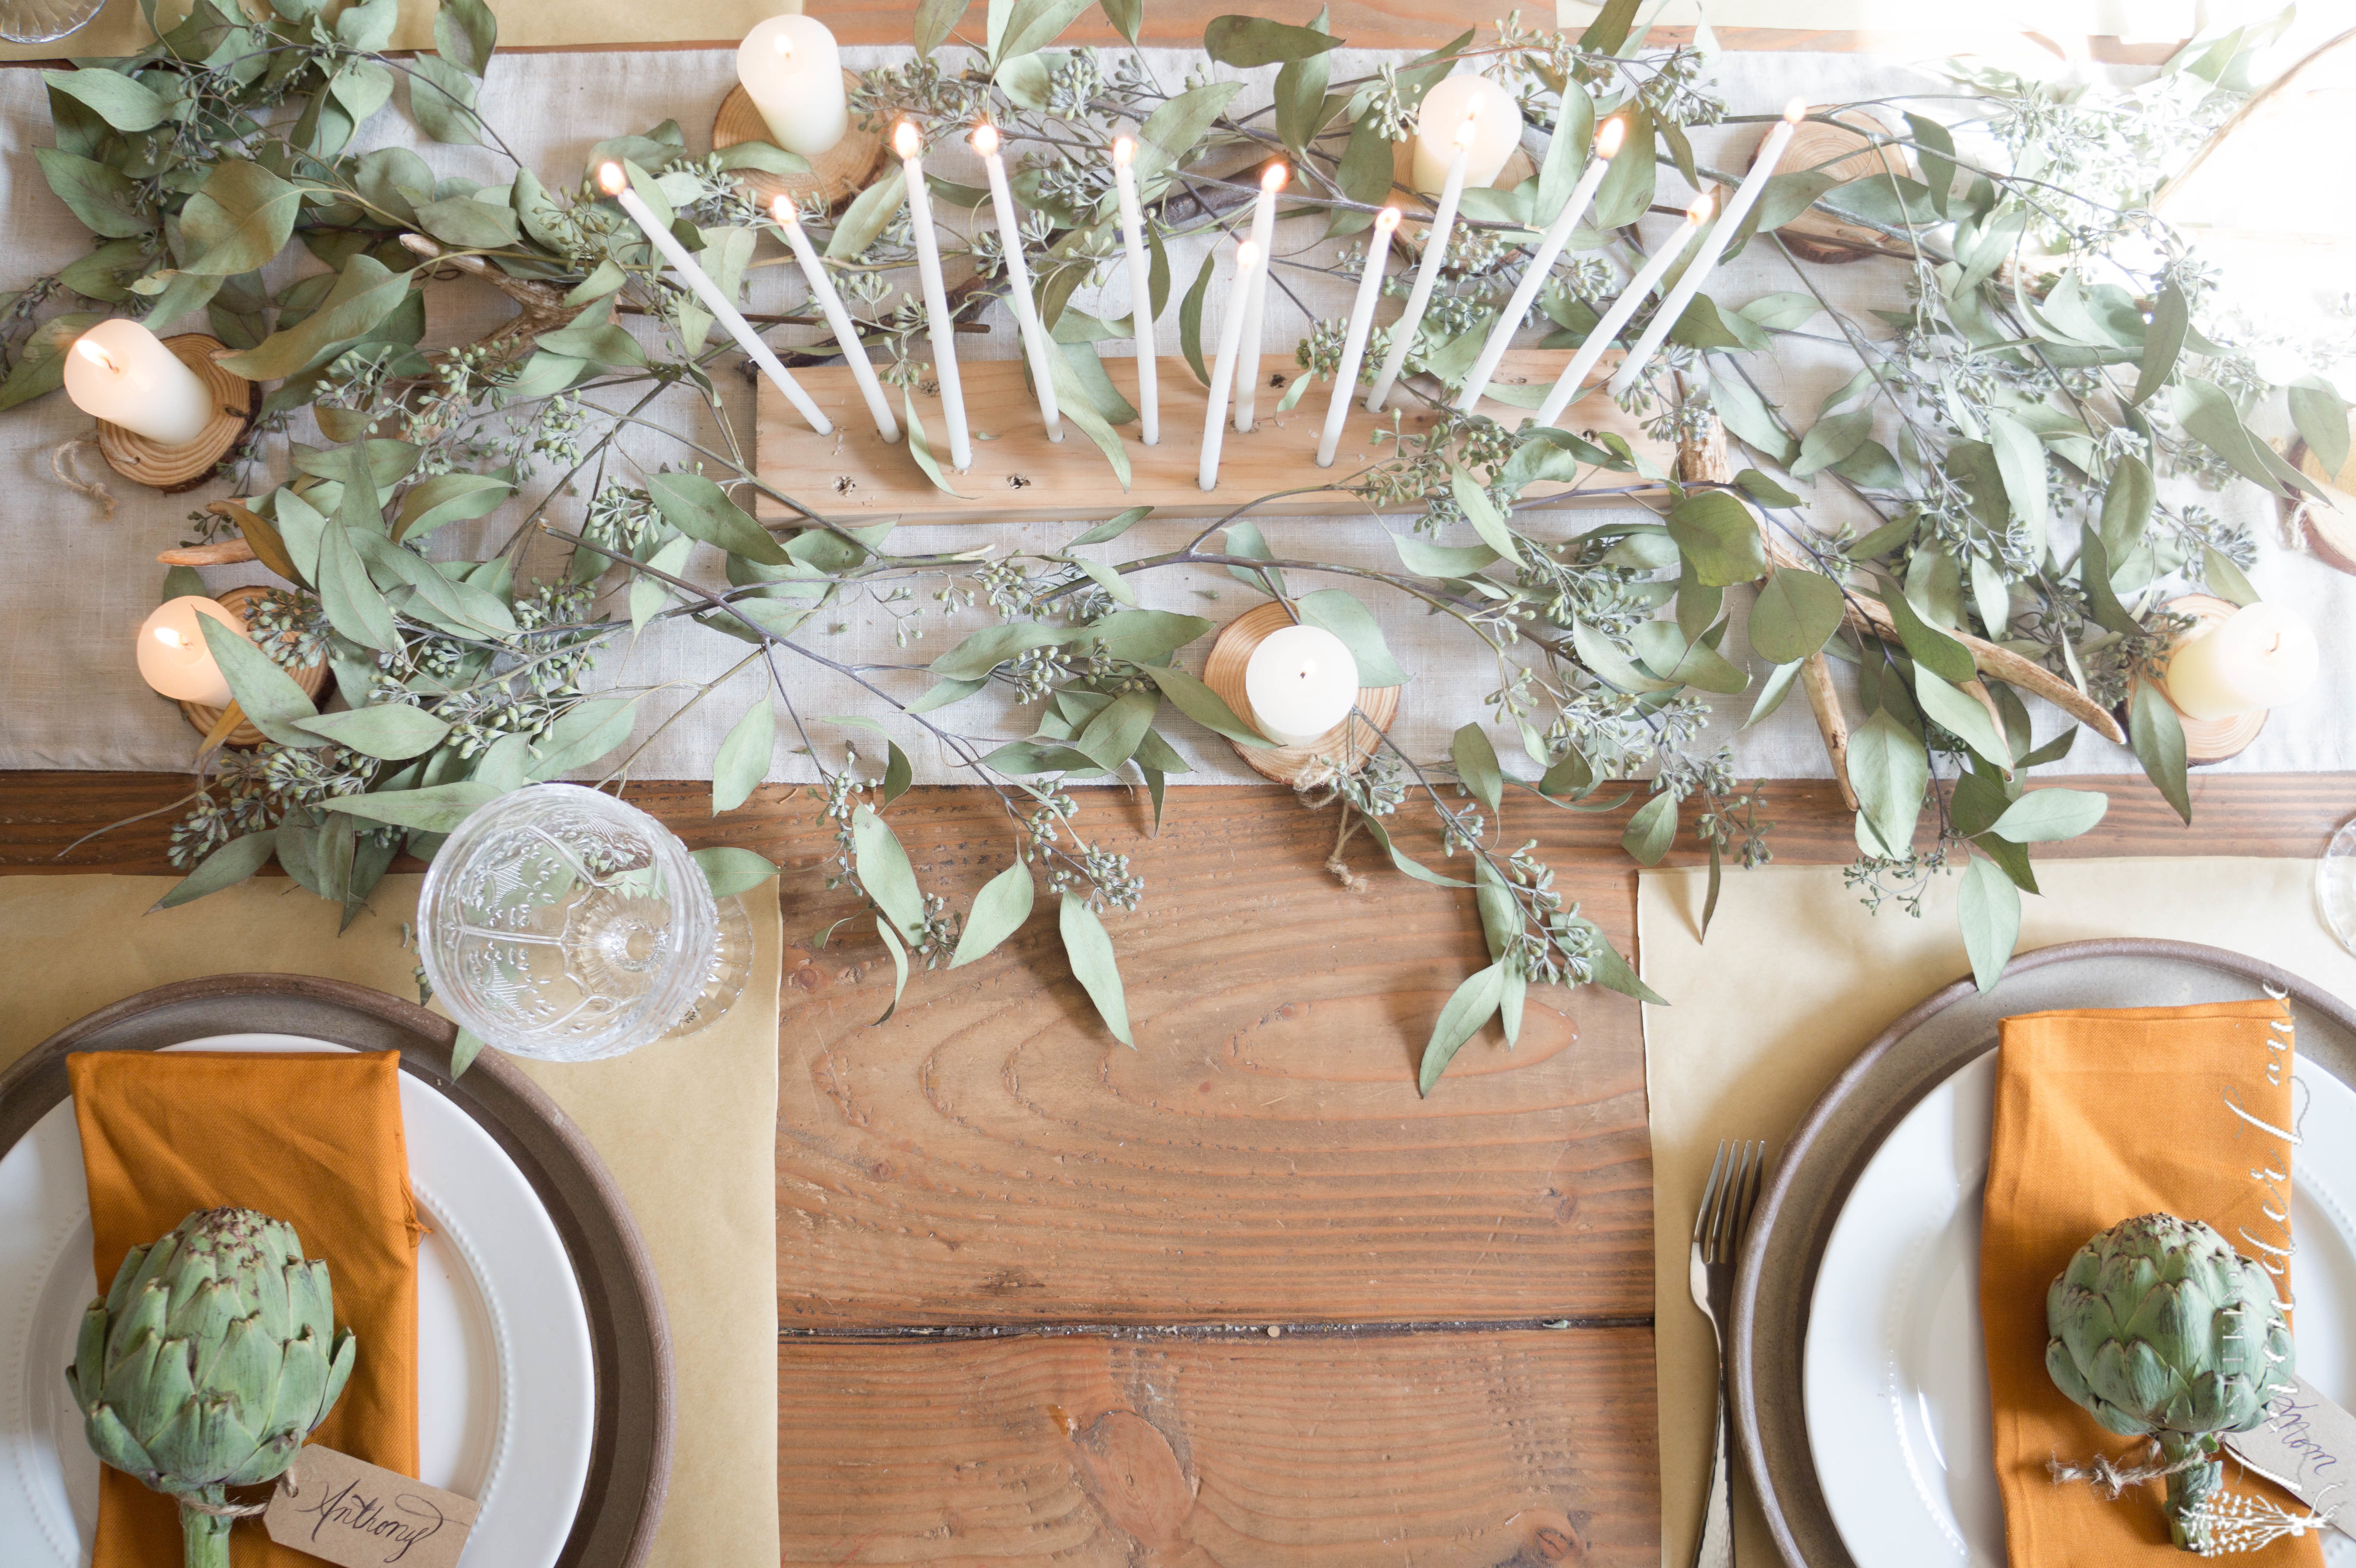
x=688 y=1127
x=1797 y=977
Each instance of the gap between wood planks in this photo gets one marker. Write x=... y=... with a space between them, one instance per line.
x=1212 y=1332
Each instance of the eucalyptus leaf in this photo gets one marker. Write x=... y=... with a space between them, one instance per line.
x=434 y=808
x=701 y=509
x=1472 y=1005
x=743 y=760
x=1476 y=766
x=393 y=730
x=1720 y=537
x=1093 y=964
x=2050 y=815
x=268 y=694
x=885 y=873
x=232 y=863
x=1248 y=41
x=998 y=912
x=1889 y=771
x=1340 y=613
x=1796 y=614
x=1203 y=705
x=1652 y=829
x=1988 y=906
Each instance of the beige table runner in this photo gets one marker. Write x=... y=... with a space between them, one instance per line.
x=688 y=1127
x=1797 y=977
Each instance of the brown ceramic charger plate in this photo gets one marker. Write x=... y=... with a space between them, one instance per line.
x=1890 y=1077
x=629 y=1458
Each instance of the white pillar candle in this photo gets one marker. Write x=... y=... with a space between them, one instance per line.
x=1140 y=290
x=1541 y=267
x=1722 y=234
x=173 y=658
x=1299 y=683
x=1223 y=368
x=1639 y=289
x=120 y=372
x=792 y=73
x=1448 y=103
x=838 y=318
x=1017 y=279
x=615 y=182
x=909 y=144
x=1435 y=252
x=2262 y=655
x=1263 y=238
x=1354 y=340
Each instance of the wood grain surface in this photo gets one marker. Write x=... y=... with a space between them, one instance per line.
x=1440 y=1450
x=1026 y=1276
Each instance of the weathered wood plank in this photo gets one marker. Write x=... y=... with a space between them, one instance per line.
x=1436 y=1450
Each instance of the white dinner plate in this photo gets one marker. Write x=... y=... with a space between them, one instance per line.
x=1896 y=1373
x=507 y=1389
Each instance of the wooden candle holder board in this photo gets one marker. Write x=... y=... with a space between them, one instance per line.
x=1019 y=475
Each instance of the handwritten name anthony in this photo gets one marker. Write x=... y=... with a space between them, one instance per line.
x=400 y=1522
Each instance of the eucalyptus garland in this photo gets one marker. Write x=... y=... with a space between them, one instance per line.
x=2060 y=354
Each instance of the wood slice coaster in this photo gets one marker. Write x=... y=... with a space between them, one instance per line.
x=839 y=173
x=1819 y=237
x=1348 y=744
x=311 y=677
x=2331 y=529
x=2210 y=740
x=173 y=469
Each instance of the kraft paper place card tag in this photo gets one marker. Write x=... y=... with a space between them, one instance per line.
x=339 y=1508
x=2307 y=1446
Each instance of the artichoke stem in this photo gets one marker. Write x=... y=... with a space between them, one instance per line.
x=204 y=1537
x=2187 y=1489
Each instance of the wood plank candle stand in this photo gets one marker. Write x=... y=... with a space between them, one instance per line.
x=1018 y=475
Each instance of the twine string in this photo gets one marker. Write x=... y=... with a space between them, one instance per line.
x=63 y=463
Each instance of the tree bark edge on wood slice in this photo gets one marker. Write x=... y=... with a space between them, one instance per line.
x=174 y=469
x=1354 y=739
x=838 y=174
x=1819 y=237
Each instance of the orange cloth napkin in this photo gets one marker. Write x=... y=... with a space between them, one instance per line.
x=313 y=1139
x=2100 y=1116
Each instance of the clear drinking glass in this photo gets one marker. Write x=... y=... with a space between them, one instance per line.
x=2335 y=884
x=561 y=923
x=44 y=21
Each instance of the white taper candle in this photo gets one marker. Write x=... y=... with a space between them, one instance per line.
x=1435 y=252
x=1263 y=238
x=1354 y=340
x=1639 y=289
x=1017 y=279
x=1223 y=368
x=837 y=317
x=1541 y=267
x=615 y=182
x=1713 y=245
x=1140 y=290
x=909 y=144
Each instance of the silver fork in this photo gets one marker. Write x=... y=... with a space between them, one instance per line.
x=1726 y=1204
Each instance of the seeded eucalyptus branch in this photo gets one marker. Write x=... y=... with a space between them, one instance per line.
x=2062 y=352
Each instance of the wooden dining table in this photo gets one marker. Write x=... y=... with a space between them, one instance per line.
x=1237 y=1296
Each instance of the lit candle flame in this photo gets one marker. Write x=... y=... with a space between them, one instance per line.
x=1607 y=140
x=1796 y=111
x=907 y=139
x=1247 y=256
x=782 y=213
x=985 y=139
x=96 y=355
x=1124 y=152
x=611 y=180
x=1387 y=220
x=170 y=637
x=1472 y=126
x=784 y=45
x=1273 y=179
x=1698 y=213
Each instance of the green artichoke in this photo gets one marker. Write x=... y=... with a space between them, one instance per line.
x=2160 y=1330
x=212 y=1358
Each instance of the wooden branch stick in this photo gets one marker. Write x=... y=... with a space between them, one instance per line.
x=223 y=552
x=1866 y=613
x=1816 y=676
